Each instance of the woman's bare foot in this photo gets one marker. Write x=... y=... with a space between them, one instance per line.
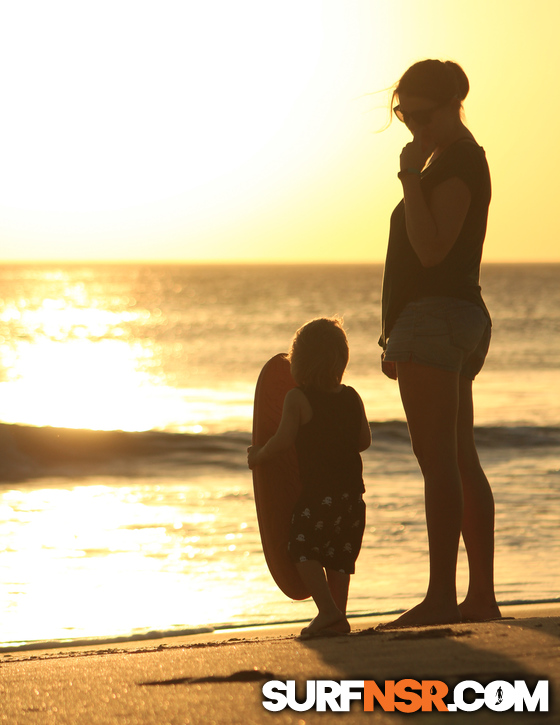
x=477 y=611
x=425 y=614
x=326 y=624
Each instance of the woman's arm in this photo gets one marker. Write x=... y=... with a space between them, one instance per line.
x=432 y=227
x=286 y=434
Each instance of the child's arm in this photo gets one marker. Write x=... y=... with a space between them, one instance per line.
x=365 y=431
x=286 y=434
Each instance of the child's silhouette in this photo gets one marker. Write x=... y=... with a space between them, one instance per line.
x=327 y=423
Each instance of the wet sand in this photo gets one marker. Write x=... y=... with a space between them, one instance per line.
x=218 y=677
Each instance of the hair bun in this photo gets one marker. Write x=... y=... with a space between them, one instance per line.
x=437 y=80
x=460 y=77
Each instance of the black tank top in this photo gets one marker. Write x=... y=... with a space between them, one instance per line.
x=405 y=279
x=328 y=445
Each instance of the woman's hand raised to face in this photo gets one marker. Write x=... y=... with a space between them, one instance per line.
x=415 y=154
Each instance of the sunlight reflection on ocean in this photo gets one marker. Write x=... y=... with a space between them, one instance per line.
x=97 y=548
x=99 y=543
x=179 y=348
x=101 y=557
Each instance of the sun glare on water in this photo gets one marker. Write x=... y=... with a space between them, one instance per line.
x=77 y=384
x=117 y=559
x=74 y=361
x=69 y=367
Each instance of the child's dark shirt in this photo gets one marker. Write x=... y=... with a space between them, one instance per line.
x=328 y=445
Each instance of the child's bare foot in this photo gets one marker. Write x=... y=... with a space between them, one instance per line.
x=326 y=624
x=477 y=611
x=425 y=614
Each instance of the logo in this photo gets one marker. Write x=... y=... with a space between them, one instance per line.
x=406 y=695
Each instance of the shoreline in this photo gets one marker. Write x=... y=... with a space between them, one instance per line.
x=211 y=637
x=202 y=634
x=218 y=677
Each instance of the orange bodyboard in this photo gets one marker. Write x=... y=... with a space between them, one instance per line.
x=276 y=483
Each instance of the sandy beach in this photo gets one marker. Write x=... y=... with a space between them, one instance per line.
x=218 y=677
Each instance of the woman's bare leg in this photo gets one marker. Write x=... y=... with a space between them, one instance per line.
x=431 y=401
x=478 y=516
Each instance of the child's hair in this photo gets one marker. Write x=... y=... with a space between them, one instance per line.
x=319 y=354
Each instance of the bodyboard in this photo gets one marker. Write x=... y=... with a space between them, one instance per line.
x=276 y=483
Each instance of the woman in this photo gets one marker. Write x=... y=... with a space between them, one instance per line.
x=436 y=331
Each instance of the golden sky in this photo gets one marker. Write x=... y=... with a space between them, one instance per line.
x=241 y=131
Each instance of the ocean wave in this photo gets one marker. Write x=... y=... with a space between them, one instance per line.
x=28 y=452
x=521 y=436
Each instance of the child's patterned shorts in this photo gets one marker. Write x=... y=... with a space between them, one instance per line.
x=329 y=530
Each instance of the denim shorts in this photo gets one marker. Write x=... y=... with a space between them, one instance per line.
x=441 y=332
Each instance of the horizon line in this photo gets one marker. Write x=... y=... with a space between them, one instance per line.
x=239 y=262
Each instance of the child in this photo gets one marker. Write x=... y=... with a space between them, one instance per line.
x=327 y=423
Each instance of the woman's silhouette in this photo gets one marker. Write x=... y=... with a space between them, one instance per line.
x=436 y=331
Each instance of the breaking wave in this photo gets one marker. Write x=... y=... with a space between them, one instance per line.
x=28 y=452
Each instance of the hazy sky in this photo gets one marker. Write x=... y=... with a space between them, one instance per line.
x=241 y=130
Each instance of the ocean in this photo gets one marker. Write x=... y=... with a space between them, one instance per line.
x=126 y=507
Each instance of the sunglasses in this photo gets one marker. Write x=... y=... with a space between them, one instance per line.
x=421 y=117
